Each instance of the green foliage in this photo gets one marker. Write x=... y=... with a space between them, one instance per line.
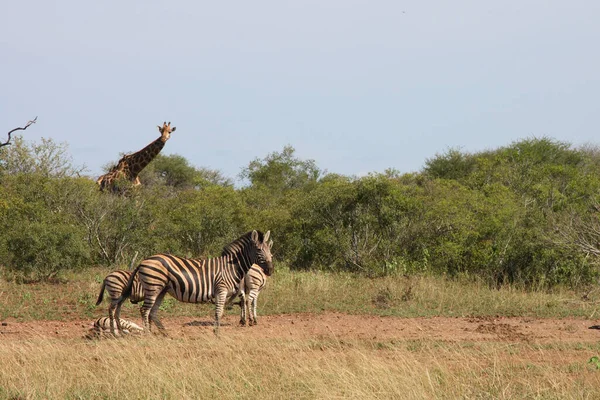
x=176 y=172
x=526 y=213
x=41 y=235
x=451 y=165
x=40 y=250
x=47 y=158
x=281 y=171
x=200 y=223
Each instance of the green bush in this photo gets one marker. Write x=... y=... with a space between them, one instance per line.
x=525 y=213
x=40 y=250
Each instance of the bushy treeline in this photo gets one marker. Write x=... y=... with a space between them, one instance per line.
x=527 y=213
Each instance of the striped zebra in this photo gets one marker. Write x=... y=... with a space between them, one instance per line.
x=249 y=289
x=103 y=325
x=199 y=280
x=114 y=283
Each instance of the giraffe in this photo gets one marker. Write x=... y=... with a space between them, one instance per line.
x=130 y=165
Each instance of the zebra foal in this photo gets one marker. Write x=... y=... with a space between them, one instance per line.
x=198 y=280
x=102 y=326
x=250 y=287
x=114 y=283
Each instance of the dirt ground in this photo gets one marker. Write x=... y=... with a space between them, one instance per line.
x=343 y=326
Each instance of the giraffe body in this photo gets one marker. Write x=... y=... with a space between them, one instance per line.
x=130 y=165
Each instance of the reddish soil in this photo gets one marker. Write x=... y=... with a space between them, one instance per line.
x=343 y=326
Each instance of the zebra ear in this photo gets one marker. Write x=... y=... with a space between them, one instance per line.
x=255 y=237
x=266 y=238
x=270 y=244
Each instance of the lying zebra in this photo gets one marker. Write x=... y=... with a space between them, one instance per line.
x=103 y=327
x=114 y=283
x=254 y=281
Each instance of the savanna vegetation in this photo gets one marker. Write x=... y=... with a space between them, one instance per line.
x=512 y=231
x=249 y=362
x=526 y=213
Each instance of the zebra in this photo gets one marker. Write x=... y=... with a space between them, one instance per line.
x=199 y=280
x=114 y=283
x=103 y=324
x=254 y=281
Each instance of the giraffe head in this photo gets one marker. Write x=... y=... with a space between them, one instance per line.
x=165 y=131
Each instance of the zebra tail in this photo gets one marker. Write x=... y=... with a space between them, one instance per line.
x=127 y=290
x=101 y=294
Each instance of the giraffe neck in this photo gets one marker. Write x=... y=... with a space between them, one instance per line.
x=139 y=160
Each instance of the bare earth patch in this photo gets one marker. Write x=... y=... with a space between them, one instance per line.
x=344 y=326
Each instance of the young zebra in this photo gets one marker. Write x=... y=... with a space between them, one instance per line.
x=114 y=283
x=249 y=289
x=199 y=280
x=103 y=325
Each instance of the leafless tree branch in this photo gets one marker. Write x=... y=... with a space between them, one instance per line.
x=33 y=121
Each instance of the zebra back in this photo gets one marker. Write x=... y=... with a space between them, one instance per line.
x=198 y=280
x=115 y=283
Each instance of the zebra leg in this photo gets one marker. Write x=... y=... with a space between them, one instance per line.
x=253 y=298
x=220 y=298
x=116 y=317
x=145 y=312
x=111 y=316
x=229 y=303
x=243 y=309
x=154 y=311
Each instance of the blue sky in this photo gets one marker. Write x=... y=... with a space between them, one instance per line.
x=358 y=86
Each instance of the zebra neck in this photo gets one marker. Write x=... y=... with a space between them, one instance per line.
x=239 y=264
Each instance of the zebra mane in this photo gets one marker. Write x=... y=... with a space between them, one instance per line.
x=240 y=243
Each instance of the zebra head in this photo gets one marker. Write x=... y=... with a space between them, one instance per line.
x=252 y=248
x=263 y=251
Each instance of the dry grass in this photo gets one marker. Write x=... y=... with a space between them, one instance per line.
x=234 y=368
x=289 y=292
x=418 y=296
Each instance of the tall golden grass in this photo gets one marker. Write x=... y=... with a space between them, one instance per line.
x=233 y=367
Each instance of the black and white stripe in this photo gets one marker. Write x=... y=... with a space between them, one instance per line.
x=199 y=280
x=115 y=283
x=102 y=328
x=103 y=325
x=249 y=289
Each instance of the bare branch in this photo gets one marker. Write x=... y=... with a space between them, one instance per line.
x=18 y=129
